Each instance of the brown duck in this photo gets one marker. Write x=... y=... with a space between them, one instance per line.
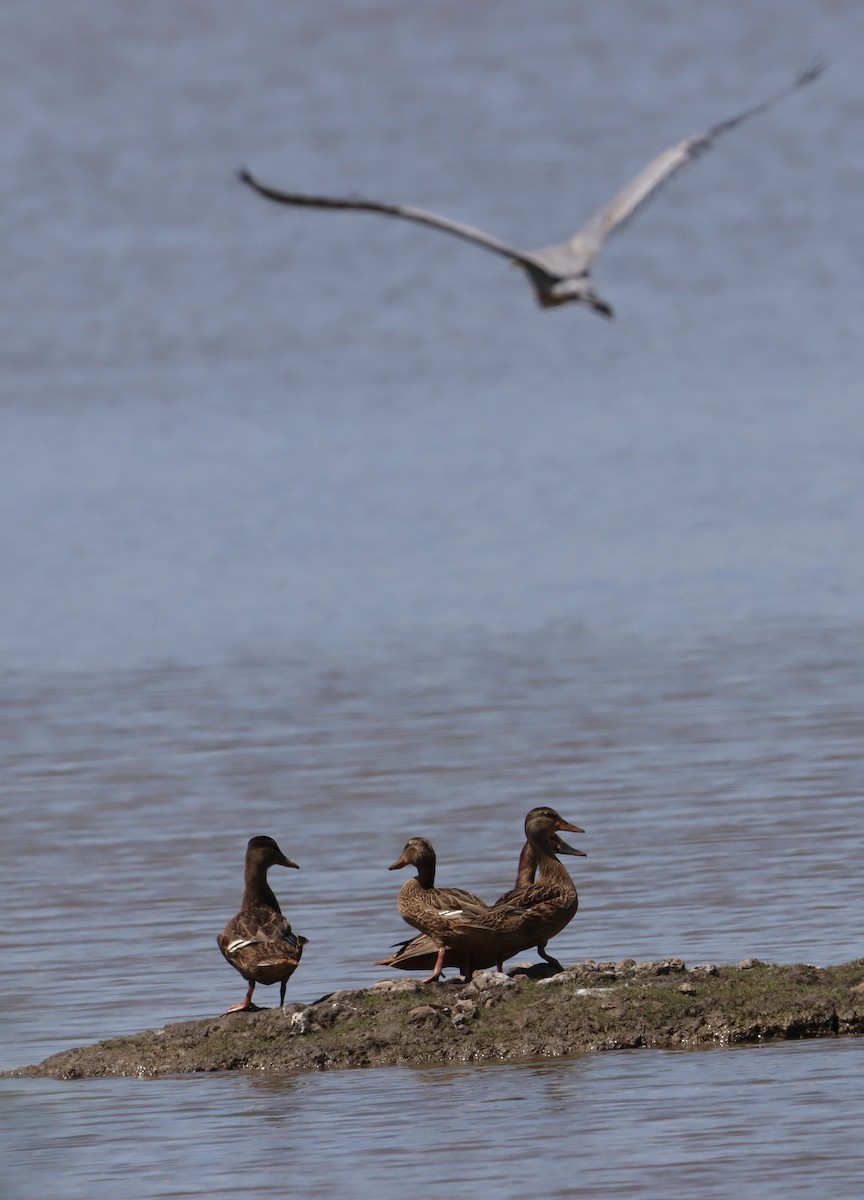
x=451 y=918
x=420 y=953
x=259 y=941
x=533 y=912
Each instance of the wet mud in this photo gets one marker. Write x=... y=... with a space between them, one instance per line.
x=522 y=1015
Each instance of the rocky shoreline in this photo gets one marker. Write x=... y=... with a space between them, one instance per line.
x=522 y=1015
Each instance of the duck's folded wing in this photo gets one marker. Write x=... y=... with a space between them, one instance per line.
x=455 y=904
x=417 y=954
x=259 y=935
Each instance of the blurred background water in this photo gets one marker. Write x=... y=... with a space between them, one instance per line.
x=314 y=525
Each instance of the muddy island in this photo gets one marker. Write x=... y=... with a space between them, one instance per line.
x=521 y=1015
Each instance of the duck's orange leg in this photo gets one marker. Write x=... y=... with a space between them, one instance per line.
x=437 y=969
x=246 y=1004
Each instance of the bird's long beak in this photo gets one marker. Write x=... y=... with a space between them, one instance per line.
x=286 y=862
x=401 y=861
x=563 y=848
x=601 y=307
x=562 y=824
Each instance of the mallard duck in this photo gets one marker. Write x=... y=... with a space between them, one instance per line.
x=530 y=914
x=420 y=953
x=450 y=917
x=259 y=941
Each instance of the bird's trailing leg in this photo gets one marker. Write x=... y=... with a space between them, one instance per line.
x=246 y=1004
x=553 y=962
x=437 y=969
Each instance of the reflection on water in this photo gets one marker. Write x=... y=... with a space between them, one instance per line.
x=613 y=1125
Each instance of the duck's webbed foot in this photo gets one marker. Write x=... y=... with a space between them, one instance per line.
x=244 y=1007
x=245 y=1004
x=437 y=969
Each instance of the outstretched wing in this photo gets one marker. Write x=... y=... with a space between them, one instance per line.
x=588 y=241
x=467 y=232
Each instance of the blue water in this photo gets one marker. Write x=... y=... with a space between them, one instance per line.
x=315 y=525
x=615 y=1125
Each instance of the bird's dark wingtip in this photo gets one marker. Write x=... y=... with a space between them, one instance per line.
x=815 y=69
x=244 y=175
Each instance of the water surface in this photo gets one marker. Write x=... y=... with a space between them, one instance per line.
x=315 y=525
x=613 y=1125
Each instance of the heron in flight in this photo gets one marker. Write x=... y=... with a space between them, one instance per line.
x=561 y=273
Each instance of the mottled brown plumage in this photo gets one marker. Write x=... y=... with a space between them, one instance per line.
x=450 y=917
x=531 y=914
x=420 y=953
x=259 y=941
x=544 y=908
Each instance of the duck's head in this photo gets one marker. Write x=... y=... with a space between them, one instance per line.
x=543 y=823
x=418 y=851
x=265 y=851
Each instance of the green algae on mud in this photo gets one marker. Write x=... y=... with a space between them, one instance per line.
x=589 y=1007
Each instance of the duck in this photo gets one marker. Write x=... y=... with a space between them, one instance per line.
x=419 y=953
x=537 y=909
x=450 y=918
x=259 y=942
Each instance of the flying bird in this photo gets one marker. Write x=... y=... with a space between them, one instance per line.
x=561 y=273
